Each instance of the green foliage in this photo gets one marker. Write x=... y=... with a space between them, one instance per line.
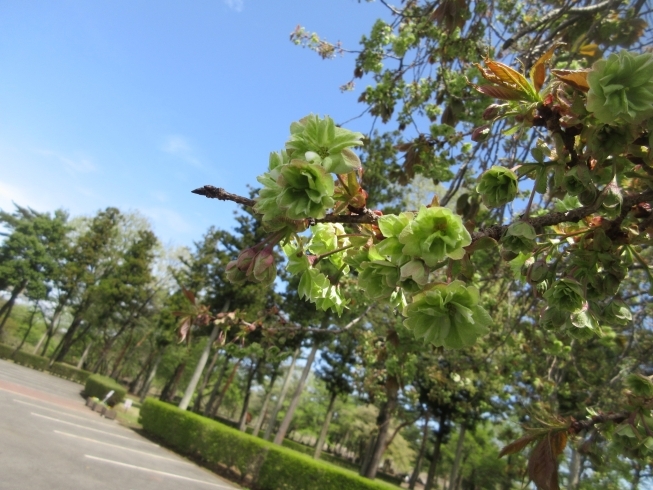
x=270 y=466
x=5 y=351
x=99 y=386
x=31 y=360
x=41 y=363
x=70 y=372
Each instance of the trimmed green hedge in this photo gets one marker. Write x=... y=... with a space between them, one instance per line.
x=33 y=361
x=5 y=351
x=69 y=372
x=99 y=386
x=270 y=467
x=338 y=461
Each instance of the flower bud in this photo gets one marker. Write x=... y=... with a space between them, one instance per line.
x=538 y=271
x=491 y=112
x=245 y=258
x=264 y=269
x=481 y=133
x=234 y=274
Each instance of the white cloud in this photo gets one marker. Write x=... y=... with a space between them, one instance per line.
x=235 y=5
x=179 y=146
x=81 y=164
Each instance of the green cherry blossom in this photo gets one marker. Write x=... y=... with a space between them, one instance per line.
x=497 y=186
x=447 y=315
x=621 y=88
x=435 y=234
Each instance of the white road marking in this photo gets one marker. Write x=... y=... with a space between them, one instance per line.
x=87 y=419
x=164 y=473
x=90 y=428
x=95 y=441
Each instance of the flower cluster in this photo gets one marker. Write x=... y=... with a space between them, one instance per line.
x=448 y=315
x=497 y=186
x=621 y=88
x=298 y=184
x=255 y=264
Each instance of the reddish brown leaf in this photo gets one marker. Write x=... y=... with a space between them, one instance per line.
x=189 y=295
x=498 y=92
x=516 y=446
x=538 y=72
x=543 y=461
x=575 y=78
x=184 y=328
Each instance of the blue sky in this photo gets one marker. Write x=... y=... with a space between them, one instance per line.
x=135 y=103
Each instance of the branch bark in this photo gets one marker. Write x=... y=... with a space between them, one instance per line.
x=495 y=232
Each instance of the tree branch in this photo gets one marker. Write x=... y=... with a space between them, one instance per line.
x=219 y=193
x=581 y=425
x=495 y=232
x=572 y=216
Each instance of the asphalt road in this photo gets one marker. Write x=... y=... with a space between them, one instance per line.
x=49 y=440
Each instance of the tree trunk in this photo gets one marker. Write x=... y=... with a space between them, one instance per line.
x=205 y=380
x=54 y=321
x=170 y=388
x=134 y=385
x=103 y=354
x=82 y=359
x=283 y=428
x=150 y=377
x=8 y=306
x=325 y=427
x=216 y=387
x=195 y=379
x=383 y=424
x=574 y=470
x=29 y=329
x=242 y=421
x=218 y=402
x=420 y=456
x=116 y=364
x=67 y=341
x=453 y=478
x=266 y=402
x=284 y=389
x=435 y=459
x=366 y=453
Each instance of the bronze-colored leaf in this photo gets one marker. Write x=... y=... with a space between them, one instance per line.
x=516 y=446
x=505 y=76
x=588 y=50
x=500 y=92
x=543 y=461
x=189 y=295
x=184 y=328
x=538 y=72
x=575 y=78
